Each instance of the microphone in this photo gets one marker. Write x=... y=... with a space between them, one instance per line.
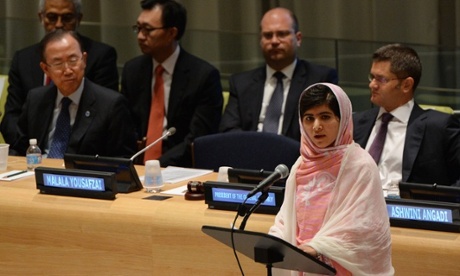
x=281 y=171
x=170 y=132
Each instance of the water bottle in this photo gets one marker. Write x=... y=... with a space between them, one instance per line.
x=33 y=155
x=153 y=180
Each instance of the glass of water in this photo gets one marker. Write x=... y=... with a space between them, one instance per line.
x=153 y=180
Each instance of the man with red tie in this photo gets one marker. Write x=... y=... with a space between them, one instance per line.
x=168 y=87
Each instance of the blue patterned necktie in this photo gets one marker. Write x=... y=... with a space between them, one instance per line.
x=377 y=146
x=273 y=113
x=62 y=131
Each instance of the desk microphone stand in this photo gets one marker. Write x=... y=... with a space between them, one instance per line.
x=260 y=200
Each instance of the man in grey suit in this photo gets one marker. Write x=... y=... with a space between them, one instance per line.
x=251 y=92
x=421 y=146
x=191 y=86
x=25 y=72
x=96 y=118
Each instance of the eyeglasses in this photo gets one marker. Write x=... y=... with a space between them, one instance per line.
x=279 y=34
x=66 y=18
x=62 y=65
x=381 y=80
x=146 y=30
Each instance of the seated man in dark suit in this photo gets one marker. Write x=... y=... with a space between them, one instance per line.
x=25 y=72
x=187 y=91
x=421 y=146
x=73 y=115
x=251 y=105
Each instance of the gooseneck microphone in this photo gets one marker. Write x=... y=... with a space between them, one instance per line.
x=170 y=132
x=281 y=171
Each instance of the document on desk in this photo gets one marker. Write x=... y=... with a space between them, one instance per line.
x=173 y=174
x=15 y=174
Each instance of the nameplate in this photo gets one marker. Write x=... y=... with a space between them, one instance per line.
x=432 y=215
x=228 y=196
x=79 y=183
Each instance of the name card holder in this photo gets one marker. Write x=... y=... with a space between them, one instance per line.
x=228 y=196
x=424 y=214
x=78 y=183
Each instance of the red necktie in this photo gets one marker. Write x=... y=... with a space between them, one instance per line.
x=156 y=118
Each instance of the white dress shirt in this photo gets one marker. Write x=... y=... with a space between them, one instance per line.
x=390 y=164
x=269 y=88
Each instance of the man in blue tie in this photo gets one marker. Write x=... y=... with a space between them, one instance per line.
x=266 y=98
x=73 y=114
x=26 y=74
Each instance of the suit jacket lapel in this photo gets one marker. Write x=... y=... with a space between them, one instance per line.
x=145 y=93
x=257 y=86
x=46 y=107
x=414 y=137
x=36 y=71
x=363 y=127
x=179 y=83
x=292 y=101
x=85 y=115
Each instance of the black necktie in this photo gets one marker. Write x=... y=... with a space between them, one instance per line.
x=377 y=146
x=273 y=113
x=62 y=131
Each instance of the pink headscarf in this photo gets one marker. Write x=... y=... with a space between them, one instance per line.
x=320 y=159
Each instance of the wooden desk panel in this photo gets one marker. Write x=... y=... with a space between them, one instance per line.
x=47 y=234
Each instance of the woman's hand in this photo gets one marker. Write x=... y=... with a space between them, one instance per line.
x=309 y=250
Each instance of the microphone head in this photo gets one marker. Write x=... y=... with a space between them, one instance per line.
x=171 y=131
x=283 y=170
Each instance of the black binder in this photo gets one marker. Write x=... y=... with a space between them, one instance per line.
x=269 y=250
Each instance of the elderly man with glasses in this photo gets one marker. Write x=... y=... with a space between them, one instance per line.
x=74 y=115
x=25 y=72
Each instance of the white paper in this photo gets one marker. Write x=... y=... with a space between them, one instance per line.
x=173 y=174
x=4 y=176
x=176 y=191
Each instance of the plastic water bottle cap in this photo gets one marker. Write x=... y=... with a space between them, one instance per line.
x=33 y=141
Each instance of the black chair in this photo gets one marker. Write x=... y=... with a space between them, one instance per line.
x=244 y=150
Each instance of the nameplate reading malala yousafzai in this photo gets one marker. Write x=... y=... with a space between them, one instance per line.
x=79 y=183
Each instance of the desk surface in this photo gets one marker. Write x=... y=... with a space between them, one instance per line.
x=47 y=234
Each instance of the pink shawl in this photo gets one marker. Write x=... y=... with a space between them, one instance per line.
x=355 y=231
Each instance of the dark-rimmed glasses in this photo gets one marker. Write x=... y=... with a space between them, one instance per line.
x=66 y=18
x=145 y=30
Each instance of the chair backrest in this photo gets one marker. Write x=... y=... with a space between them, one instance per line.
x=225 y=96
x=441 y=108
x=3 y=95
x=244 y=150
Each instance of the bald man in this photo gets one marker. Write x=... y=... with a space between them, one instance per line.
x=251 y=92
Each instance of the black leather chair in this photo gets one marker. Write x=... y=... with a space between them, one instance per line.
x=244 y=150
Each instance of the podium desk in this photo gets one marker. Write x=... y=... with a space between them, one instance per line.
x=44 y=234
